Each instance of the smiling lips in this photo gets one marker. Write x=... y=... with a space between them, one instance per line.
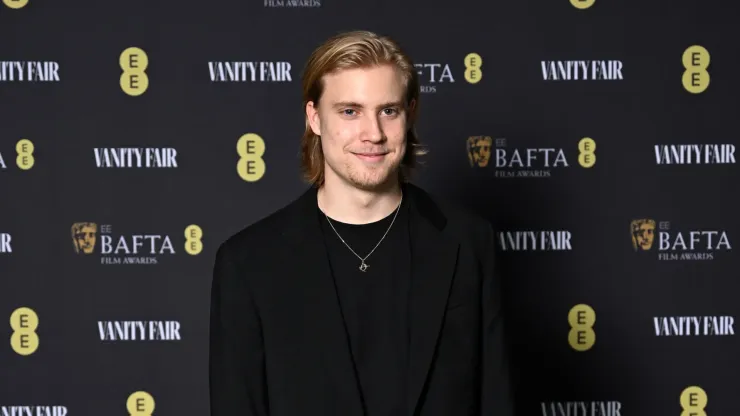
x=371 y=156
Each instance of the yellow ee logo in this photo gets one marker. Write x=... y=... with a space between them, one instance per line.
x=25 y=159
x=582 y=4
x=16 y=4
x=586 y=155
x=696 y=61
x=134 y=80
x=693 y=401
x=24 y=322
x=140 y=403
x=473 y=63
x=581 y=335
x=193 y=235
x=251 y=167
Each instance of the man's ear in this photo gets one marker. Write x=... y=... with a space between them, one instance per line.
x=312 y=116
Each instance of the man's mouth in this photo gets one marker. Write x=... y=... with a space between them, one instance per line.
x=371 y=156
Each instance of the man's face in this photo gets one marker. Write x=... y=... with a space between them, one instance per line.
x=362 y=121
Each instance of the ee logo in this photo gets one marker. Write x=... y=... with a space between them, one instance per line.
x=581 y=336
x=134 y=80
x=140 y=403
x=696 y=61
x=582 y=4
x=16 y=4
x=24 y=323
x=473 y=63
x=586 y=155
x=693 y=401
x=25 y=159
x=193 y=235
x=250 y=148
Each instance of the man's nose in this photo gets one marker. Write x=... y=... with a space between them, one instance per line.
x=372 y=129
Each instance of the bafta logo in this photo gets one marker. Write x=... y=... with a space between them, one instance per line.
x=84 y=235
x=479 y=150
x=643 y=234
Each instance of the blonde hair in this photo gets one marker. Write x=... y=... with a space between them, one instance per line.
x=349 y=50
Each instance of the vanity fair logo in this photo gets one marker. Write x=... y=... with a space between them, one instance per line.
x=535 y=240
x=250 y=71
x=139 y=330
x=609 y=70
x=29 y=71
x=597 y=408
x=135 y=157
x=684 y=326
x=694 y=154
x=33 y=411
x=292 y=3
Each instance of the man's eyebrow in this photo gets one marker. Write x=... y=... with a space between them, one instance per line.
x=343 y=104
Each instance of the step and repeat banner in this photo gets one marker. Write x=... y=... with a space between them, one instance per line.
x=600 y=137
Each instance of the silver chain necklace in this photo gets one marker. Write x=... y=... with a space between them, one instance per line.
x=363 y=266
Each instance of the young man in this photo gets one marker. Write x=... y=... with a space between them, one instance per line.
x=366 y=295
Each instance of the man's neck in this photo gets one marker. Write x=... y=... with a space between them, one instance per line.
x=345 y=203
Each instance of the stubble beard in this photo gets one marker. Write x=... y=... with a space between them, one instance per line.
x=369 y=178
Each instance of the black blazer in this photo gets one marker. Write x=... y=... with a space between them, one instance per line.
x=277 y=341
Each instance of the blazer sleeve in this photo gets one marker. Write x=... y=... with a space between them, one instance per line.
x=237 y=381
x=496 y=390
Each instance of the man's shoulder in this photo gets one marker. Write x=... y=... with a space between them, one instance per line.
x=259 y=233
x=459 y=215
x=464 y=224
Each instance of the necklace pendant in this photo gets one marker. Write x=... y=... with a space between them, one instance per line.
x=363 y=266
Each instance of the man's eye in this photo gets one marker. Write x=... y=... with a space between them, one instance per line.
x=349 y=112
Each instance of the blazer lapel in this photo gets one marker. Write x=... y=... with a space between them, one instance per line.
x=326 y=329
x=434 y=256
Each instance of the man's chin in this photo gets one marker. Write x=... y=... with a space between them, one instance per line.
x=368 y=185
x=374 y=183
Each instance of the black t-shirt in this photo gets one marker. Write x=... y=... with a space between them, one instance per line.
x=374 y=305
